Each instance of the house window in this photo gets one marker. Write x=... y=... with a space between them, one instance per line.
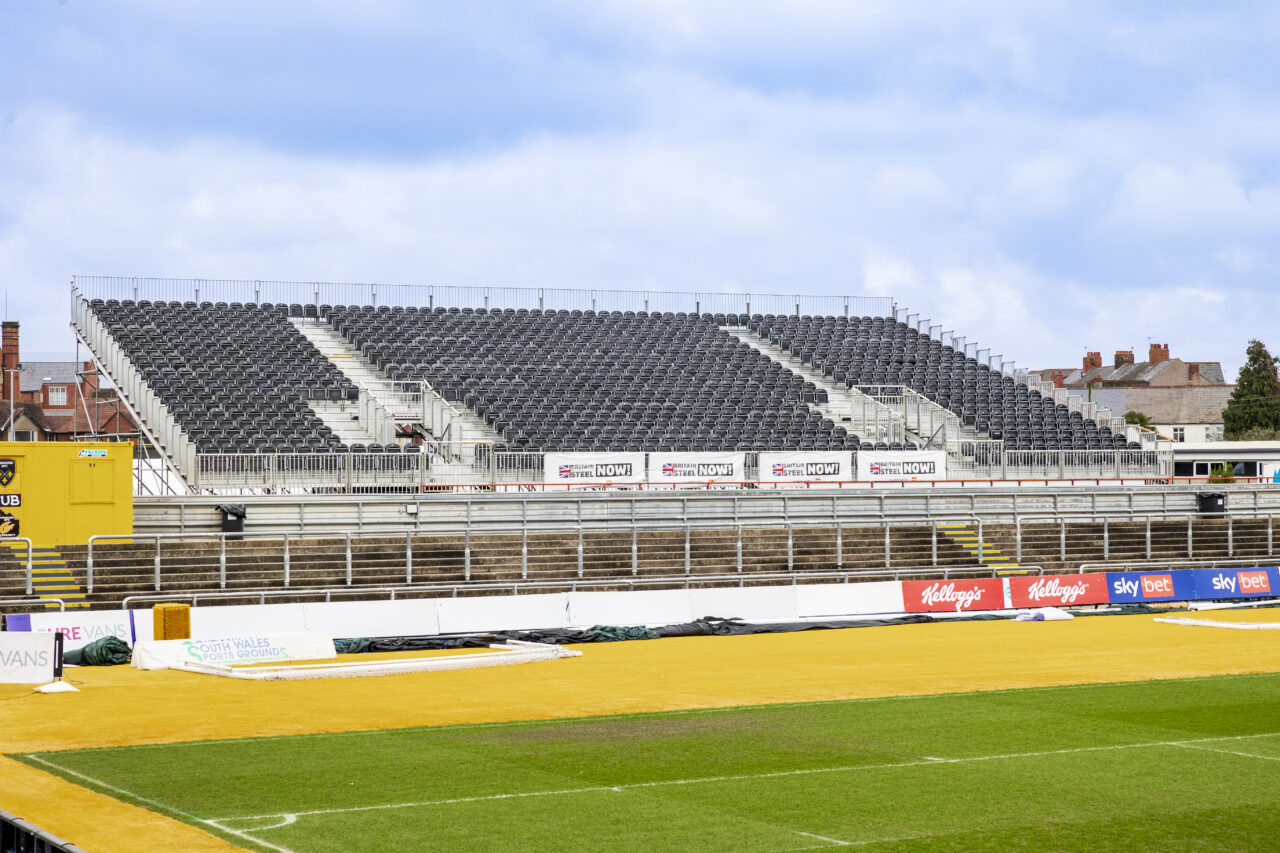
x=57 y=396
x=24 y=435
x=1179 y=433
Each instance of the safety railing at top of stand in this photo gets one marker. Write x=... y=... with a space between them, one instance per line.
x=1064 y=518
x=577 y=584
x=482 y=297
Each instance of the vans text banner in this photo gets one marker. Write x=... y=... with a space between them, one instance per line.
x=81 y=629
x=830 y=466
x=26 y=657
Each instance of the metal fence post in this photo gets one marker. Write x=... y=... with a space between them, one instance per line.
x=157 y=564
x=286 y=559
x=1106 y=539
x=1190 y=545
x=348 y=537
x=408 y=559
x=790 y=548
x=688 y=568
x=222 y=562
x=886 y=540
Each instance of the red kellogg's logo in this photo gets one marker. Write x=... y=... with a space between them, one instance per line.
x=951 y=595
x=1254 y=582
x=1058 y=590
x=1157 y=586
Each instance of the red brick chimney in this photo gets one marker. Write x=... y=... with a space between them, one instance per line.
x=1092 y=360
x=89 y=379
x=10 y=359
x=1124 y=356
x=1159 y=353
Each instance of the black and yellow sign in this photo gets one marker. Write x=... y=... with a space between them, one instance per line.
x=8 y=525
x=8 y=470
x=12 y=501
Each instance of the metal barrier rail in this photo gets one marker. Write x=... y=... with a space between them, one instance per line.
x=29 y=549
x=576 y=584
x=21 y=836
x=1063 y=519
x=1169 y=565
x=433 y=295
x=582 y=528
x=62 y=605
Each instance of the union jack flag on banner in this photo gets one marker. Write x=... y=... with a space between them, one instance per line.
x=778 y=469
x=566 y=472
x=668 y=469
x=875 y=468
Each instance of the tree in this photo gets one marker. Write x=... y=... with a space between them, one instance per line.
x=1132 y=417
x=1255 y=403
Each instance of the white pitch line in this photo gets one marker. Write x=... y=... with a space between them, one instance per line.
x=1229 y=752
x=777 y=774
x=162 y=807
x=836 y=841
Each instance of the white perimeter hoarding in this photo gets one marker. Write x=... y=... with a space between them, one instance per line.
x=81 y=629
x=886 y=465
x=26 y=657
x=593 y=468
x=230 y=651
x=671 y=467
x=824 y=466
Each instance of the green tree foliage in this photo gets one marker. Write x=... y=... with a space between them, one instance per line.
x=1132 y=417
x=1255 y=404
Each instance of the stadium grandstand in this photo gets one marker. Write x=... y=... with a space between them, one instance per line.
x=258 y=386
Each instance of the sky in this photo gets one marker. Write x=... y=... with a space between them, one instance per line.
x=1046 y=178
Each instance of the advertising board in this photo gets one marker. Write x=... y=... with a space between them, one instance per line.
x=890 y=465
x=673 y=467
x=27 y=658
x=232 y=651
x=81 y=629
x=1142 y=587
x=821 y=466
x=951 y=596
x=1259 y=582
x=1058 y=590
x=593 y=468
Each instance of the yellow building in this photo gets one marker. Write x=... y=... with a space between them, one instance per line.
x=56 y=493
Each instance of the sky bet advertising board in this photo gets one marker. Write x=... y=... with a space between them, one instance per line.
x=1259 y=582
x=1145 y=587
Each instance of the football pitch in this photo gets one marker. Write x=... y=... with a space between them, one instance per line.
x=1191 y=764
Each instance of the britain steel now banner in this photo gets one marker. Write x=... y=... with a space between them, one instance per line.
x=902 y=465
x=953 y=595
x=1142 y=587
x=825 y=466
x=1058 y=590
x=673 y=467
x=574 y=468
x=1258 y=582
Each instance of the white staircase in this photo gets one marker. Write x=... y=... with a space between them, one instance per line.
x=443 y=420
x=343 y=417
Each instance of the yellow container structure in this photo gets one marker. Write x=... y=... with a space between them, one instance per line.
x=61 y=493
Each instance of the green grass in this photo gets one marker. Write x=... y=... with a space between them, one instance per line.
x=1171 y=765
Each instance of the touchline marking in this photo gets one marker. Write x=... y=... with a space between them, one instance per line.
x=777 y=774
x=161 y=807
x=1229 y=752
x=835 y=841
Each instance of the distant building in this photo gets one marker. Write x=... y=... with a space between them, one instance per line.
x=56 y=400
x=1184 y=400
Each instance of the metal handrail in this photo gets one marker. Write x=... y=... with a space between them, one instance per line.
x=62 y=605
x=1063 y=517
x=500 y=527
x=29 y=550
x=1170 y=564
x=574 y=584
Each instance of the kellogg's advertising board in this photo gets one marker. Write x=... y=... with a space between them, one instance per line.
x=952 y=596
x=1058 y=590
x=1145 y=587
x=1257 y=582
